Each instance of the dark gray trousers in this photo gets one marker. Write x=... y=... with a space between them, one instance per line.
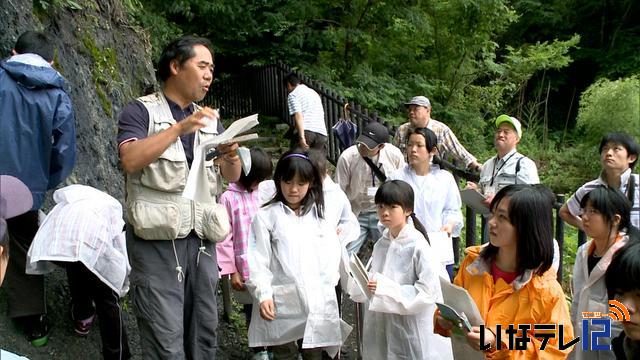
x=176 y=319
x=25 y=293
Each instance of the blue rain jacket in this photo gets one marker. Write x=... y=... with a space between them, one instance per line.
x=38 y=136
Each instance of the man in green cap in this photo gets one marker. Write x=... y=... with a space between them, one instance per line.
x=508 y=166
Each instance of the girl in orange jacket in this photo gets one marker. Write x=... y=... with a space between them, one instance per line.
x=511 y=280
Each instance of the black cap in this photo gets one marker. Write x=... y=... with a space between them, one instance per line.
x=373 y=135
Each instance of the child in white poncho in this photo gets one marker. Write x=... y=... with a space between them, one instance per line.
x=398 y=320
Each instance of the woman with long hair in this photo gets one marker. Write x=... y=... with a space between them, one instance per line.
x=511 y=279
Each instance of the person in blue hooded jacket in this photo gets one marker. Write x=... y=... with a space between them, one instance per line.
x=38 y=146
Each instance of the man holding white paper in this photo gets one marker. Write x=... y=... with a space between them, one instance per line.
x=174 y=270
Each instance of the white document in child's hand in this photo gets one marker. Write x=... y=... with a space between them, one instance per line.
x=460 y=300
x=197 y=184
x=442 y=246
x=474 y=200
x=359 y=274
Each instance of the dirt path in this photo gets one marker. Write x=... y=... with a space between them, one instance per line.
x=64 y=344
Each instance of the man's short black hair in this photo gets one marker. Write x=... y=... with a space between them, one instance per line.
x=292 y=79
x=34 y=42
x=180 y=50
x=628 y=142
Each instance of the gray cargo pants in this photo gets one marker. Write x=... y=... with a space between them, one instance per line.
x=176 y=319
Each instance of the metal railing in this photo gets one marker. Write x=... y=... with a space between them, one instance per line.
x=262 y=90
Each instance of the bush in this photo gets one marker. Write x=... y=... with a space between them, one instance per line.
x=610 y=106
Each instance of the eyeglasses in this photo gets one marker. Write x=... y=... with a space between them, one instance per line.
x=504 y=131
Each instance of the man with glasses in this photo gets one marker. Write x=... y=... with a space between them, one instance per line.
x=359 y=171
x=508 y=166
x=419 y=111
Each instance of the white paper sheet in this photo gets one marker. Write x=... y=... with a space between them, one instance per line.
x=359 y=274
x=197 y=184
x=459 y=299
x=442 y=246
x=474 y=199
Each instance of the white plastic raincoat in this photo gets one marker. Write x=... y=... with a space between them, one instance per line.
x=398 y=322
x=590 y=295
x=295 y=261
x=437 y=201
x=85 y=225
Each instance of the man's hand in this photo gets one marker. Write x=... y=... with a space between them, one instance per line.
x=228 y=152
x=267 y=310
x=197 y=120
x=472 y=185
x=229 y=162
x=236 y=282
x=475 y=165
x=303 y=142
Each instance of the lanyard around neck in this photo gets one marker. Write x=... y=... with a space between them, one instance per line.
x=494 y=172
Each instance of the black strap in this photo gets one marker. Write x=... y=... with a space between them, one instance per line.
x=376 y=171
x=518 y=168
x=631 y=188
x=467 y=175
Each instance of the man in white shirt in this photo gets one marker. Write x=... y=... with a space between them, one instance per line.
x=359 y=181
x=508 y=166
x=618 y=156
x=306 y=107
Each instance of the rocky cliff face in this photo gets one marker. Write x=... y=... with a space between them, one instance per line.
x=106 y=60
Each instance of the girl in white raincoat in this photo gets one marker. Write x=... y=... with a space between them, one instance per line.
x=398 y=321
x=294 y=266
x=606 y=220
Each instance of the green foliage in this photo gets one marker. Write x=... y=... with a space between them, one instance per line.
x=45 y=5
x=474 y=59
x=104 y=72
x=237 y=320
x=610 y=106
x=153 y=17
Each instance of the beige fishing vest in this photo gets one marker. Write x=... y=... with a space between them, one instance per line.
x=155 y=206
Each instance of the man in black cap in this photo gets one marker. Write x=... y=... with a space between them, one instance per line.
x=360 y=170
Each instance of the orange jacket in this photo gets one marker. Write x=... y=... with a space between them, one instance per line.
x=530 y=299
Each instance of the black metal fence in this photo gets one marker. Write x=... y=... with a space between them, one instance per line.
x=262 y=90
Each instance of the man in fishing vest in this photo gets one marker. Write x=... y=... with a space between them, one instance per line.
x=174 y=271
